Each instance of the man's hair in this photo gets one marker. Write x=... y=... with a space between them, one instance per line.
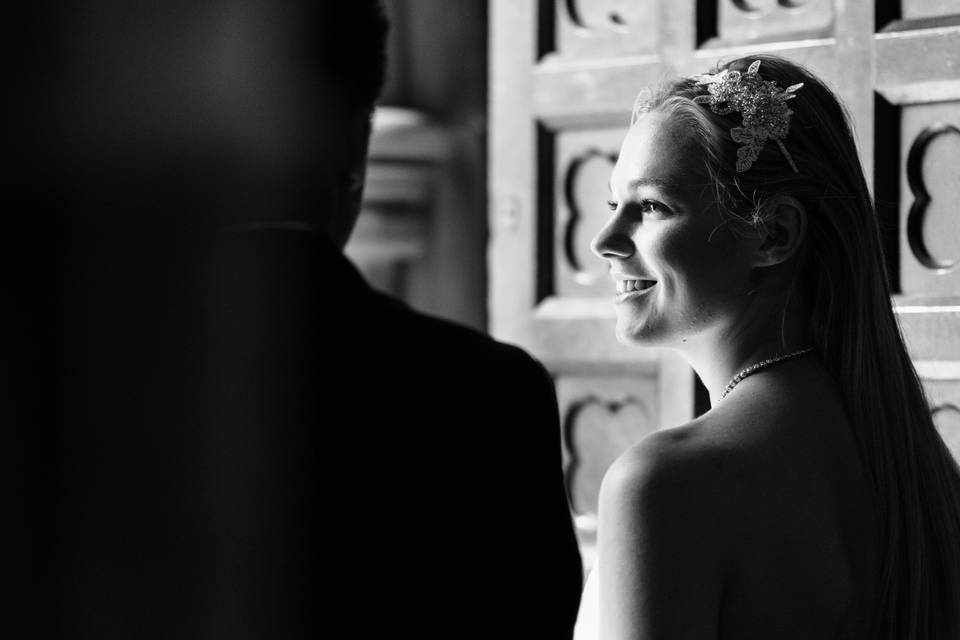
x=351 y=48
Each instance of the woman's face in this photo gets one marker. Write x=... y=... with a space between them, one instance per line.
x=678 y=270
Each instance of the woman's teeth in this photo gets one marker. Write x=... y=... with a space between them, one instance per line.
x=626 y=286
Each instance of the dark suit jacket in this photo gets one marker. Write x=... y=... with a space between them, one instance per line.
x=427 y=454
x=246 y=441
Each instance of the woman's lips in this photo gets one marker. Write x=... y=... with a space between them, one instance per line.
x=627 y=289
x=628 y=285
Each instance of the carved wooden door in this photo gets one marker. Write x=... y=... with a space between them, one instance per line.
x=564 y=75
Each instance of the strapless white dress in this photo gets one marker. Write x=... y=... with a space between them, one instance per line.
x=588 y=620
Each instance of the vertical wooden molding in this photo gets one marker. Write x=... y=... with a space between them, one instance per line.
x=511 y=148
x=886 y=177
x=678 y=37
x=546 y=213
x=856 y=71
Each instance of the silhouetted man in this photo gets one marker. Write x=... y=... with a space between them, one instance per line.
x=227 y=433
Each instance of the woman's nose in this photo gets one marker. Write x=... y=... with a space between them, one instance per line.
x=611 y=242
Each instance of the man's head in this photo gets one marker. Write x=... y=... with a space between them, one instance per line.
x=235 y=110
x=351 y=55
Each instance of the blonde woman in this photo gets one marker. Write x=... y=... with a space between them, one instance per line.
x=815 y=499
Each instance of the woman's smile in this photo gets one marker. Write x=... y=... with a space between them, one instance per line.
x=632 y=288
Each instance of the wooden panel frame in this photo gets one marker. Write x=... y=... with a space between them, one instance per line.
x=875 y=68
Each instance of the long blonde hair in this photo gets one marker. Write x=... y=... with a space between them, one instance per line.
x=843 y=278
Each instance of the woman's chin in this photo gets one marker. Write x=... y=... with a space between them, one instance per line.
x=636 y=333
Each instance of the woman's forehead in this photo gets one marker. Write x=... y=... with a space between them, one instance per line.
x=657 y=149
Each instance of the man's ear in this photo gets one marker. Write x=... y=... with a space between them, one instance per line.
x=349 y=176
x=782 y=231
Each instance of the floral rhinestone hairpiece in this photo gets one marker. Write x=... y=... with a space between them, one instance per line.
x=762 y=104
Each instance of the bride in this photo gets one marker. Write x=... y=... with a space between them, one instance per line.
x=815 y=499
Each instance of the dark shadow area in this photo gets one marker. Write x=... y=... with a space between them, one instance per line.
x=886 y=181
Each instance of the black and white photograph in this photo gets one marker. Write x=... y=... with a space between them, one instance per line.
x=482 y=319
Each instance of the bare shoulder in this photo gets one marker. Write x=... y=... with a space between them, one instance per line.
x=675 y=478
x=664 y=537
x=720 y=471
x=757 y=507
x=772 y=453
x=677 y=455
x=675 y=458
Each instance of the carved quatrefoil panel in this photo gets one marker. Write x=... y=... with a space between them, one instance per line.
x=605 y=28
x=585 y=160
x=947 y=418
x=944 y=395
x=741 y=21
x=597 y=429
x=930 y=213
x=925 y=162
x=926 y=9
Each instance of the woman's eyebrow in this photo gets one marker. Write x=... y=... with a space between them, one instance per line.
x=669 y=187
x=660 y=183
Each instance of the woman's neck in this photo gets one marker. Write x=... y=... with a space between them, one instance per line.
x=719 y=354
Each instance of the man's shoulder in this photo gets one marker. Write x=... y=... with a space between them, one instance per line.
x=444 y=341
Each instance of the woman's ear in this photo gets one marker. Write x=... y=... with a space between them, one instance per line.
x=782 y=231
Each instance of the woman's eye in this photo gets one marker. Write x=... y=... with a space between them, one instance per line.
x=652 y=206
x=646 y=207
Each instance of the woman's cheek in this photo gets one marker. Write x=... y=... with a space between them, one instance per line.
x=696 y=266
x=666 y=251
x=653 y=243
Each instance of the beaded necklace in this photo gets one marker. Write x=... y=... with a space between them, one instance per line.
x=752 y=369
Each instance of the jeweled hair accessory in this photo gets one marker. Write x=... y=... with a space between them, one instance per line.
x=762 y=103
